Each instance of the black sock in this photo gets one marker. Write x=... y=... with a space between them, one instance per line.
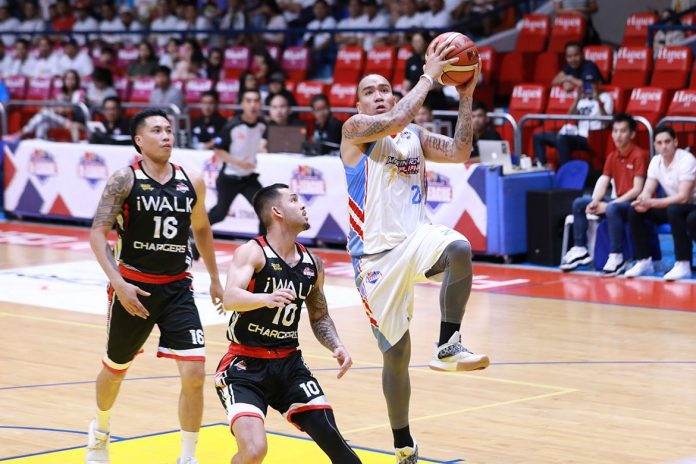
x=402 y=437
x=447 y=329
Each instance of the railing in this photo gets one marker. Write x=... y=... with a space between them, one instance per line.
x=47 y=104
x=3 y=119
x=573 y=117
x=685 y=119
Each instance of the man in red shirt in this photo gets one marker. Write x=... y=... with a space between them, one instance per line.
x=627 y=166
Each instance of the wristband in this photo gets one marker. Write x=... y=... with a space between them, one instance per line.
x=430 y=79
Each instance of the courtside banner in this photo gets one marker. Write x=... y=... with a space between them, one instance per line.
x=65 y=180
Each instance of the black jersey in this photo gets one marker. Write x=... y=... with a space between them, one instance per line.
x=153 y=229
x=275 y=328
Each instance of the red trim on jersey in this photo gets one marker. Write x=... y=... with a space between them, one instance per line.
x=179 y=357
x=150 y=278
x=356 y=209
x=356 y=227
x=225 y=362
x=136 y=165
x=242 y=414
x=302 y=248
x=309 y=407
x=262 y=241
x=236 y=349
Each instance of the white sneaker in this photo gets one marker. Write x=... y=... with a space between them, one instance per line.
x=407 y=455
x=615 y=264
x=97 y=445
x=681 y=270
x=189 y=460
x=576 y=256
x=453 y=356
x=642 y=267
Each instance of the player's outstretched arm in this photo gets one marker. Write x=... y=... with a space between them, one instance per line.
x=455 y=149
x=322 y=324
x=247 y=260
x=203 y=236
x=117 y=189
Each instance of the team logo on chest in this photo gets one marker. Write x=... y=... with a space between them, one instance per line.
x=181 y=187
x=308 y=271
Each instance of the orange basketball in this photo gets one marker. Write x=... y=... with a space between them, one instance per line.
x=459 y=72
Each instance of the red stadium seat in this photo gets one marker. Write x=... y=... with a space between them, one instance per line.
x=296 y=61
x=489 y=61
x=688 y=19
x=307 y=89
x=16 y=86
x=547 y=66
x=228 y=90
x=142 y=88
x=381 y=60
x=122 y=86
x=534 y=33
x=684 y=104
x=633 y=67
x=350 y=63
x=236 y=61
x=649 y=102
x=526 y=99
x=559 y=102
x=39 y=88
x=672 y=68
x=343 y=95
x=126 y=56
x=603 y=57
x=402 y=55
x=195 y=88
x=566 y=28
x=514 y=68
x=636 y=30
x=617 y=94
x=273 y=51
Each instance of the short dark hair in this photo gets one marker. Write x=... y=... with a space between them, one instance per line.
x=627 y=118
x=263 y=199
x=665 y=129
x=246 y=91
x=164 y=70
x=319 y=97
x=211 y=93
x=113 y=99
x=573 y=43
x=477 y=105
x=139 y=121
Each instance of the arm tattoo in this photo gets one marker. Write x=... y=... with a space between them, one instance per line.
x=440 y=143
x=322 y=324
x=110 y=257
x=361 y=127
x=464 y=132
x=111 y=204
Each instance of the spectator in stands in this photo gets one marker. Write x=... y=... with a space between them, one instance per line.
x=109 y=60
x=265 y=66
x=483 y=129
x=101 y=88
x=280 y=113
x=276 y=86
x=67 y=117
x=409 y=18
x=5 y=59
x=146 y=64
x=75 y=59
x=110 y=24
x=437 y=17
x=414 y=63
x=130 y=24
x=321 y=43
x=674 y=170
x=682 y=5
x=116 y=126
x=172 y=54
x=424 y=115
x=165 y=93
x=46 y=62
x=192 y=20
x=65 y=19
x=326 y=127
x=214 y=64
x=577 y=69
x=164 y=21
x=273 y=19
x=627 y=166
x=588 y=102
x=84 y=22
x=663 y=38
x=31 y=21
x=192 y=62
x=397 y=96
x=22 y=64
x=354 y=20
x=375 y=20
x=205 y=128
x=8 y=23
x=247 y=81
x=234 y=20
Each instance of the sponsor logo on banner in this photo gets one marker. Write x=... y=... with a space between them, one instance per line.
x=373 y=276
x=92 y=168
x=211 y=170
x=42 y=165
x=308 y=182
x=439 y=190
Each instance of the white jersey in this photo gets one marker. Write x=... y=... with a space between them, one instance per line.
x=386 y=194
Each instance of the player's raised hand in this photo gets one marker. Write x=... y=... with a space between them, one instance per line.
x=344 y=360
x=468 y=88
x=435 y=63
x=127 y=294
x=280 y=298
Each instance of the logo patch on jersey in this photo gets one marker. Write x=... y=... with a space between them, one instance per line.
x=373 y=276
x=308 y=182
x=181 y=187
x=405 y=166
x=147 y=187
x=241 y=366
x=92 y=168
x=276 y=267
x=439 y=190
x=308 y=271
x=42 y=165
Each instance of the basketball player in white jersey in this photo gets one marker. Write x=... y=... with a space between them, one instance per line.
x=391 y=241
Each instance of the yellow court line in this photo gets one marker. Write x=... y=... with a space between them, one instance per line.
x=473 y=408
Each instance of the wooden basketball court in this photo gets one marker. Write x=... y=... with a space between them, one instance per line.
x=584 y=369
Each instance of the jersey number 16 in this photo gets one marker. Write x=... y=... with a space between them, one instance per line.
x=166 y=227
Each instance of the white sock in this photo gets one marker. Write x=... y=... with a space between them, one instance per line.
x=103 y=420
x=188 y=444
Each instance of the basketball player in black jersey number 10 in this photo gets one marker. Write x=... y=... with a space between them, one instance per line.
x=153 y=203
x=269 y=279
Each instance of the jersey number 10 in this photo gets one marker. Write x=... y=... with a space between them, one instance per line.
x=288 y=317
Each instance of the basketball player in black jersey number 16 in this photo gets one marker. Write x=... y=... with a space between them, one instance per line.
x=268 y=281
x=153 y=203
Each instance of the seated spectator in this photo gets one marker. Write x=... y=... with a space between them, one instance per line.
x=424 y=116
x=354 y=20
x=191 y=64
x=234 y=19
x=109 y=60
x=414 y=64
x=273 y=19
x=101 y=88
x=321 y=43
x=165 y=93
x=247 y=81
x=375 y=20
x=31 y=21
x=205 y=128
x=214 y=64
x=146 y=64
x=266 y=66
x=674 y=170
x=280 y=113
x=7 y=23
x=577 y=69
x=326 y=127
x=130 y=24
x=409 y=18
x=663 y=38
x=172 y=54
x=482 y=127
x=110 y=25
x=437 y=16
x=84 y=22
x=67 y=117
x=46 y=62
x=75 y=59
x=627 y=166
x=192 y=20
x=64 y=19
x=276 y=86
x=116 y=126
x=164 y=21
x=22 y=64
x=588 y=102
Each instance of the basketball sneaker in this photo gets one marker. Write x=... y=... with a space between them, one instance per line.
x=408 y=454
x=97 y=445
x=642 y=267
x=453 y=356
x=189 y=460
x=681 y=270
x=615 y=265
x=576 y=256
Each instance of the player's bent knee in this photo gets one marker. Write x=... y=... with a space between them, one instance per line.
x=192 y=374
x=460 y=249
